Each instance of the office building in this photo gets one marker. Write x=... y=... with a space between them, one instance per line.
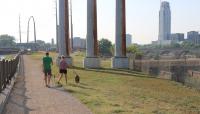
x=164 y=23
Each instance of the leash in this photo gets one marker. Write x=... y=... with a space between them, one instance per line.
x=75 y=72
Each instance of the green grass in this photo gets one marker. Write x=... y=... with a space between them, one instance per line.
x=109 y=91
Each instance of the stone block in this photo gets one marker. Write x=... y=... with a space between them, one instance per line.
x=120 y=62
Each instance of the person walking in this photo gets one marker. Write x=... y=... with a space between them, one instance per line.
x=62 y=69
x=47 y=62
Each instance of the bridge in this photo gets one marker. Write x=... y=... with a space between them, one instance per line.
x=25 y=46
x=5 y=51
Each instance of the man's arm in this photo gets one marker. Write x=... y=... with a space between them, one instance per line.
x=43 y=63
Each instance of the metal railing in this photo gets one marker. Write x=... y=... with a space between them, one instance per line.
x=8 y=69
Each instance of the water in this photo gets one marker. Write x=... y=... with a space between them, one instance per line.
x=2 y=57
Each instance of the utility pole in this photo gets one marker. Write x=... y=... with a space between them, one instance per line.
x=20 y=34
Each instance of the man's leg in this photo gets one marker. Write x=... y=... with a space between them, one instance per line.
x=49 y=78
x=45 y=78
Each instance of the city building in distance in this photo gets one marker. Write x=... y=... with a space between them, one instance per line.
x=164 y=24
x=177 y=37
x=52 y=42
x=193 y=37
x=128 y=40
x=79 y=43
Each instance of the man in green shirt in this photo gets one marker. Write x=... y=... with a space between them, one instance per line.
x=47 y=62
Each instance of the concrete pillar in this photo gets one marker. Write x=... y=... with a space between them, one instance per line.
x=120 y=60
x=91 y=60
x=64 y=42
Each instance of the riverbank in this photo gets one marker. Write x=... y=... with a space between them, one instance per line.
x=7 y=57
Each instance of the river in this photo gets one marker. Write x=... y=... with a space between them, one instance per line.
x=2 y=57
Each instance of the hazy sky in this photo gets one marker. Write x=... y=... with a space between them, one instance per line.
x=142 y=18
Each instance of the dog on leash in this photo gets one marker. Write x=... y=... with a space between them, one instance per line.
x=77 y=78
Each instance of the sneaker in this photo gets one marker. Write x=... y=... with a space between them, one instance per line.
x=59 y=84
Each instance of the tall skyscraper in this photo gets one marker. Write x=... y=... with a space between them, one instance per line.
x=164 y=22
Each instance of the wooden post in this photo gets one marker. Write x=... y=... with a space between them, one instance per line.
x=7 y=70
x=1 y=73
x=4 y=74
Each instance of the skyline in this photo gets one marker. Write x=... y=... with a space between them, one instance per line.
x=142 y=18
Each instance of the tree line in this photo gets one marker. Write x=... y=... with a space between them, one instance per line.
x=8 y=41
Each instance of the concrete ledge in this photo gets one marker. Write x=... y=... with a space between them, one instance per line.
x=91 y=62
x=4 y=95
x=120 y=62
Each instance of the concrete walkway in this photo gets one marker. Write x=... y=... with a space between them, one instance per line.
x=30 y=96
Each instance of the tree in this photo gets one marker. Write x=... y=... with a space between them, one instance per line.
x=187 y=45
x=112 y=49
x=7 y=41
x=105 y=46
x=175 y=45
x=134 y=50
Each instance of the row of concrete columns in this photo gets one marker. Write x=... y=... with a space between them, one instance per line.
x=92 y=60
x=63 y=34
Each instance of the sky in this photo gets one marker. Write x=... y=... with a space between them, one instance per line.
x=142 y=18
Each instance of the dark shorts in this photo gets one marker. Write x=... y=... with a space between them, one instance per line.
x=63 y=71
x=47 y=72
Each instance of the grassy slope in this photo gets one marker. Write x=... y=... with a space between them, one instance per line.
x=107 y=91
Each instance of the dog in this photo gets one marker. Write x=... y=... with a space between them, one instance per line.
x=77 y=78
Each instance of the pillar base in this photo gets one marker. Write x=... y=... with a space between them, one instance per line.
x=67 y=59
x=120 y=62
x=91 y=62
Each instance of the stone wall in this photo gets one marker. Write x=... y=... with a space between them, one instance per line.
x=193 y=79
x=180 y=70
x=165 y=75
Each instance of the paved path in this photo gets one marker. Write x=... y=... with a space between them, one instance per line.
x=30 y=96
